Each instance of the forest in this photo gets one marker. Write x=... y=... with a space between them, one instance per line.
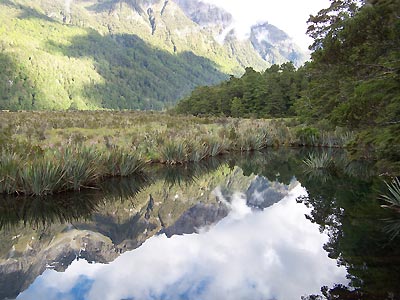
x=352 y=81
x=48 y=65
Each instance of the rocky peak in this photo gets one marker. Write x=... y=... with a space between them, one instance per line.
x=274 y=45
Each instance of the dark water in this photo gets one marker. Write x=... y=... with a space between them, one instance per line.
x=257 y=226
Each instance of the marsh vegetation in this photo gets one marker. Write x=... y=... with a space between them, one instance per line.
x=47 y=152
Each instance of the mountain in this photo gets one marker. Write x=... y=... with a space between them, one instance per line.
x=120 y=54
x=275 y=46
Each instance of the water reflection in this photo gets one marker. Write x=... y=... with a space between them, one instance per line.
x=37 y=212
x=68 y=207
x=250 y=254
x=192 y=240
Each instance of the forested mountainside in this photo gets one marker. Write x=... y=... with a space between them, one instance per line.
x=127 y=54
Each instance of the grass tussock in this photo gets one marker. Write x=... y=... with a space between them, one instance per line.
x=9 y=172
x=319 y=161
x=119 y=163
x=392 y=197
x=41 y=177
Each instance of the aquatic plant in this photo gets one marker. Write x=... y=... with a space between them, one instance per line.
x=393 y=195
x=322 y=161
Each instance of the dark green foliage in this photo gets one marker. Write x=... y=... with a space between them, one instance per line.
x=16 y=88
x=308 y=136
x=268 y=94
x=355 y=75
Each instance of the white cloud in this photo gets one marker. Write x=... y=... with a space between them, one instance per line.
x=288 y=15
x=272 y=254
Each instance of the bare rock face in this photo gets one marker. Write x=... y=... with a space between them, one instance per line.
x=23 y=267
x=199 y=216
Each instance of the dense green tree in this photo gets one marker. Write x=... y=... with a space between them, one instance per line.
x=355 y=72
x=268 y=94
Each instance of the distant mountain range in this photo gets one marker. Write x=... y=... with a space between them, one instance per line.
x=124 y=54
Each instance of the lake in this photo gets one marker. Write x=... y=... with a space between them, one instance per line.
x=254 y=226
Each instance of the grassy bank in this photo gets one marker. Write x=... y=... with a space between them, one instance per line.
x=47 y=152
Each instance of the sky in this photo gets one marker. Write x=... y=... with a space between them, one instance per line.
x=289 y=15
x=272 y=254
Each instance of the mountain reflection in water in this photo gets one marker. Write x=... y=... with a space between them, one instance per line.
x=257 y=226
x=272 y=254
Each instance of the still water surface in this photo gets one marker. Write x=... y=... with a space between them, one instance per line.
x=258 y=226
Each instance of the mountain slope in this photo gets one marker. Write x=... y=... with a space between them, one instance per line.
x=116 y=54
x=48 y=64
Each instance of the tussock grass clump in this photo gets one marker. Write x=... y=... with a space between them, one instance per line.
x=393 y=195
x=81 y=167
x=173 y=153
x=216 y=147
x=9 y=171
x=197 y=151
x=42 y=177
x=120 y=163
x=392 y=198
x=322 y=161
x=251 y=141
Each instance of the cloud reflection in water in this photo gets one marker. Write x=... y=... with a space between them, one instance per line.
x=272 y=254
